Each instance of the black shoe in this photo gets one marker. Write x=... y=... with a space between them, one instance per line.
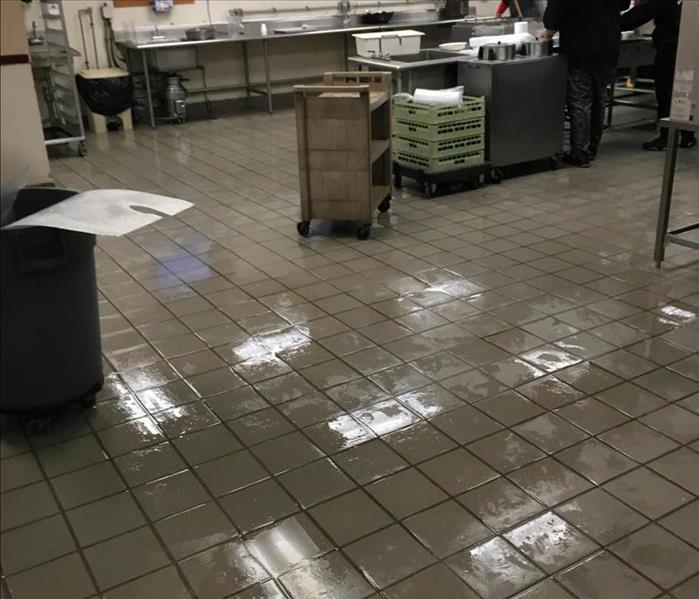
x=592 y=152
x=576 y=160
x=659 y=144
x=689 y=140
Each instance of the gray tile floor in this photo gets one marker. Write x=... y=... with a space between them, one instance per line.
x=495 y=396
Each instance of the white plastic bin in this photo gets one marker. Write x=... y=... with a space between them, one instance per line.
x=388 y=43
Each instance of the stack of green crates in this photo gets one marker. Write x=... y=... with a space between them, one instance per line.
x=437 y=139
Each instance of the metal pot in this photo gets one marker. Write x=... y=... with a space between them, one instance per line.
x=497 y=51
x=537 y=48
x=200 y=33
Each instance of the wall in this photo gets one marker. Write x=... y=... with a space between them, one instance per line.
x=22 y=151
x=224 y=67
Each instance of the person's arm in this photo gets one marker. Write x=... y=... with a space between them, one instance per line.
x=641 y=14
x=504 y=5
x=554 y=16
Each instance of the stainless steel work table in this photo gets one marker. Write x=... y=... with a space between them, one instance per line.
x=143 y=48
x=663 y=236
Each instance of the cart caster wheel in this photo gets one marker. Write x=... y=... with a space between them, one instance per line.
x=397 y=181
x=363 y=232
x=554 y=163
x=88 y=402
x=430 y=189
x=385 y=204
x=496 y=175
x=40 y=425
x=82 y=149
x=304 y=228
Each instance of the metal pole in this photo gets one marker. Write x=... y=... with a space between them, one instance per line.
x=94 y=38
x=149 y=98
x=246 y=69
x=666 y=195
x=268 y=76
x=202 y=69
x=82 y=35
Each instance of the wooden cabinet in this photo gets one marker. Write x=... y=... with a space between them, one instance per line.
x=344 y=148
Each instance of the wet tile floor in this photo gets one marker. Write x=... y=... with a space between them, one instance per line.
x=496 y=396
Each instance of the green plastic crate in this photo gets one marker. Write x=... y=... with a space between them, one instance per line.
x=441 y=164
x=438 y=149
x=442 y=132
x=436 y=115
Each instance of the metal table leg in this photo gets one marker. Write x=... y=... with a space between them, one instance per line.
x=246 y=69
x=149 y=97
x=202 y=70
x=666 y=195
x=345 y=51
x=268 y=76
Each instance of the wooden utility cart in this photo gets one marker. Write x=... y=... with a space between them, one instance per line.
x=344 y=148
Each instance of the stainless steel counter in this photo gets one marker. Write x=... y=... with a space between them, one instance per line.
x=320 y=26
x=143 y=44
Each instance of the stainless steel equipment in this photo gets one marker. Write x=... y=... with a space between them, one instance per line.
x=430 y=69
x=175 y=98
x=52 y=69
x=454 y=9
x=523 y=123
x=200 y=33
x=497 y=51
x=538 y=48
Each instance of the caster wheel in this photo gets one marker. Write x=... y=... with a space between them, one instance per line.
x=363 y=232
x=397 y=181
x=497 y=176
x=304 y=228
x=39 y=426
x=88 y=402
x=82 y=149
x=554 y=164
x=385 y=205
x=430 y=189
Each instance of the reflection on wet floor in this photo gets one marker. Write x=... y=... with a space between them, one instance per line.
x=496 y=396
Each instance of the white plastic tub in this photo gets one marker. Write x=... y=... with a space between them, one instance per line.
x=388 y=43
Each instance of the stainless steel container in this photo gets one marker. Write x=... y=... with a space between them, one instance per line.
x=538 y=48
x=175 y=98
x=497 y=52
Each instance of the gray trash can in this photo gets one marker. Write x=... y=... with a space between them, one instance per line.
x=50 y=336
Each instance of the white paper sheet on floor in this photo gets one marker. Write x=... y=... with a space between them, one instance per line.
x=104 y=212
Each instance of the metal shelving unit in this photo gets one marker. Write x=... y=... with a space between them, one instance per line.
x=52 y=67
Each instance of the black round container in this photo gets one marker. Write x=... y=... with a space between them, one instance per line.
x=107 y=96
x=49 y=336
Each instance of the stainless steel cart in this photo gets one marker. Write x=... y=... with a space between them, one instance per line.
x=54 y=76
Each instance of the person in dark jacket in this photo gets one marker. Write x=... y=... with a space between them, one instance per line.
x=667 y=15
x=590 y=33
x=528 y=8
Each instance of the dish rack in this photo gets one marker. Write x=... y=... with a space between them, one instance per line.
x=439 y=140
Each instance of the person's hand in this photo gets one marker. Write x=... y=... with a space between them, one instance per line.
x=546 y=34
